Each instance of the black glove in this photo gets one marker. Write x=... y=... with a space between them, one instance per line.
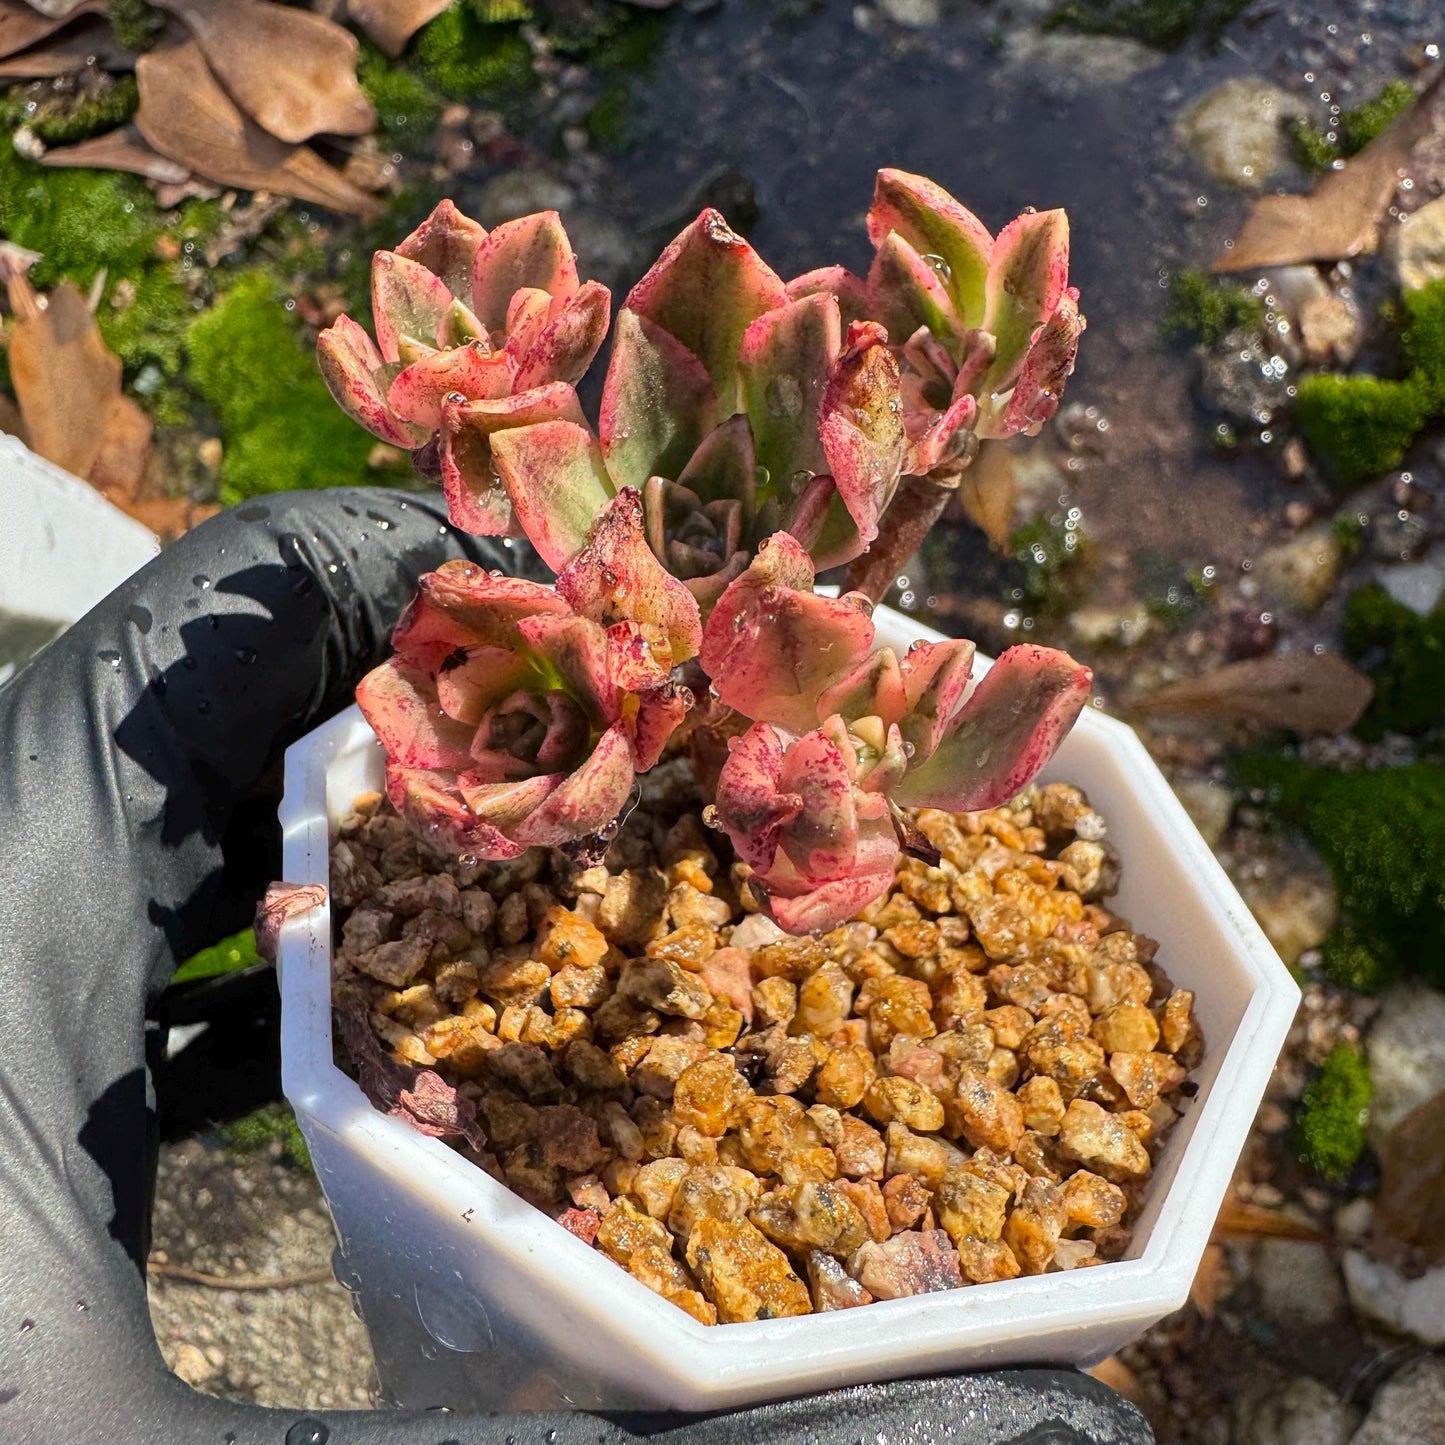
x=138 y=790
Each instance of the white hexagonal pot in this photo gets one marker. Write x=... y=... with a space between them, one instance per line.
x=474 y=1299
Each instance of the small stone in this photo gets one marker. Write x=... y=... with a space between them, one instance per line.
x=191 y=1365
x=1406 y=1051
x=1330 y=329
x=1092 y=1201
x=905 y=1100
x=1408 y=1409
x=1408 y=1306
x=1034 y=1227
x=1414 y=250
x=811 y=1215
x=745 y=1276
x=709 y=1094
x=970 y=1206
x=832 y=1286
x=1235 y=130
x=1301 y=572
x=912 y=14
x=1210 y=806
x=209 y=453
x=915 y=1262
x=1298 y=1282
x=1298 y=1411
x=666 y=986
x=1102 y=1141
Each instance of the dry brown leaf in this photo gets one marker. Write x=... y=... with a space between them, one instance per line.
x=119 y=150
x=391 y=23
x=1114 y=1373
x=986 y=492
x=125 y=447
x=22 y=25
x=1409 y=1226
x=92 y=43
x=1238 y=1220
x=1211 y=1280
x=186 y=115
x=1306 y=691
x=292 y=72
x=1341 y=217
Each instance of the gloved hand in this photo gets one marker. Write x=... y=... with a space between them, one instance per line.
x=138 y=785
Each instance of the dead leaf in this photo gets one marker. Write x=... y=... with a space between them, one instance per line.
x=986 y=492
x=391 y=23
x=1211 y=1280
x=292 y=72
x=282 y=901
x=1306 y=691
x=125 y=447
x=1409 y=1225
x=1341 y=217
x=1238 y=1220
x=22 y=25
x=186 y=115
x=91 y=44
x=124 y=149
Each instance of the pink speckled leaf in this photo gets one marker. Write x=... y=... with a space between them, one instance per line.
x=829 y=905
x=504 y=805
x=530 y=252
x=417 y=393
x=657 y=404
x=575 y=648
x=430 y=802
x=786 y=359
x=1003 y=734
x=400 y=703
x=357 y=377
x=446 y=244
x=659 y=712
x=706 y=289
x=861 y=427
x=750 y=807
x=823 y=838
x=874 y=688
x=848 y=290
x=462 y=604
x=281 y=903
x=935 y=680
x=933 y=437
x=588 y=799
x=410 y=303
x=1048 y=365
x=566 y=344
x=1027 y=274
x=557 y=483
x=934 y=224
x=473 y=679
x=905 y=292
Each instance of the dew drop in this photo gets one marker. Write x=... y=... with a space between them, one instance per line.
x=201 y=580
x=311 y=1431
x=26 y=1326
x=139 y=617
x=111 y=658
x=938 y=266
x=246 y=656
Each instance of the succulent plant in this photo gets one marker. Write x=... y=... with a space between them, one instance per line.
x=750 y=433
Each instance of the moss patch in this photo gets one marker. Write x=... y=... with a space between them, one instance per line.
x=467 y=58
x=270 y=1124
x=280 y=427
x=61 y=118
x=408 y=105
x=136 y=23
x=1049 y=551
x=1202 y=308
x=1405 y=655
x=1164 y=24
x=1329 y=1126
x=1318 y=150
x=1382 y=833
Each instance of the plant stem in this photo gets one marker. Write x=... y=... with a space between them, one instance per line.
x=916 y=506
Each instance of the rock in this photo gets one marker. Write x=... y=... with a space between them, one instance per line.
x=519 y=193
x=1234 y=131
x=1088 y=62
x=192 y=1365
x=1298 y=1411
x=1295 y=908
x=912 y=14
x=1121 y=626
x=1243 y=380
x=1301 y=573
x=1406 y=1051
x=1407 y=1306
x=1409 y=1409
x=1209 y=805
x=1353 y=1220
x=1416 y=585
x=1298 y=1282
x=1330 y=329
x=1414 y=251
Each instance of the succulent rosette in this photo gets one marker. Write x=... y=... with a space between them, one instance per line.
x=845 y=736
x=475 y=331
x=515 y=715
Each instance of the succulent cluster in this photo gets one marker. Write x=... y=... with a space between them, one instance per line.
x=752 y=432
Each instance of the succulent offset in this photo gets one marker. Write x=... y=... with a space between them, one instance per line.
x=751 y=433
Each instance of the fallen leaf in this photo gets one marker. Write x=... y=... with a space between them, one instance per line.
x=1114 y=1373
x=1238 y=1220
x=391 y=23
x=125 y=447
x=1306 y=691
x=187 y=116
x=986 y=492
x=282 y=902
x=1341 y=217
x=23 y=25
x=292 y=72
x=124 y=149
x=1211 y=1280
x=1409 y=1225
x=89 y=45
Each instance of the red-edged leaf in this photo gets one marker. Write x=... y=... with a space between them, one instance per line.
x=408 y=301
x=400 y=703
x=750 y=807
x=874 y=688
x=532 y=251
x=476 y=678
x=575 y=649
x=905 y=292
x=1027 y=274
x=462 y=604
x=850 y=291
x=1049 y=364
x=419 y=390
x=587 y=800
x=935 y=681
x=829 y=905
x=557 y=483
x=446 y=244
x=355 y=375
x=659 y=712
x=431 y=803
x=564 y=348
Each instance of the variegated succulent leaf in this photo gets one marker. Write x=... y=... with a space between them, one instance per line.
x=359 y=379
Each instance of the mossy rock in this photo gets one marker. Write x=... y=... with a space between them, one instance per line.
x=1329 y=1124
x=1360 y=426
x=1405 y=655
x=1204 y=309
x=1353 y=130
x=270 y=1124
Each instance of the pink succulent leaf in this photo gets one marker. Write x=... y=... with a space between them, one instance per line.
x=459 y=327
x=818 y=768
x=529 y=731
x=463 y=605
x=430 y=802
x=696 y=540
x=906 y=293
x=819 y=520
x=829 y=905
x=706 y=289
x=530 y=252
x=934 y=224
x=568 y=342
x=616 y=578
x=938 y=442
x=358 y=378
x=724 y=466
x=786 y=359
x=770 y=650
x=417 y=393
x=850 y=291
x=446 y=243
x=881 y=770
x=750 y=807
x=574 y=650
x=1048 y=365
x=935 y=682
x=707 y=589
x=861 y=427
x=504 y=805
x=1028 y=272
x=631 y=660
x=658 y=403
x=470 y=680
x=476 y=500
x=400 y=703
x=587 y=800
x=557 y=483
x=874 y=688
x=1005 y=732
x=409 y=303
x=659 y=712
x=528 y=312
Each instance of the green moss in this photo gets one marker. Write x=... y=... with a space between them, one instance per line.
x=1329 y=1125
x=501 y=12
x=1382 y=833
x=1404 y=653
x=1359 y=426
x=407 y=105
x=135 y=22
x=1360 y=125
x=145 y=321
x=607 y=121
x=1164 y=24
x=1313 y=149
x=270 y=1124
x=61 y=118
x=466 y=58
x=1049 y=550
x=1352 y=962
x=279 y=424
x=1422 y=335
x=1207 y=310
x=228 y=956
